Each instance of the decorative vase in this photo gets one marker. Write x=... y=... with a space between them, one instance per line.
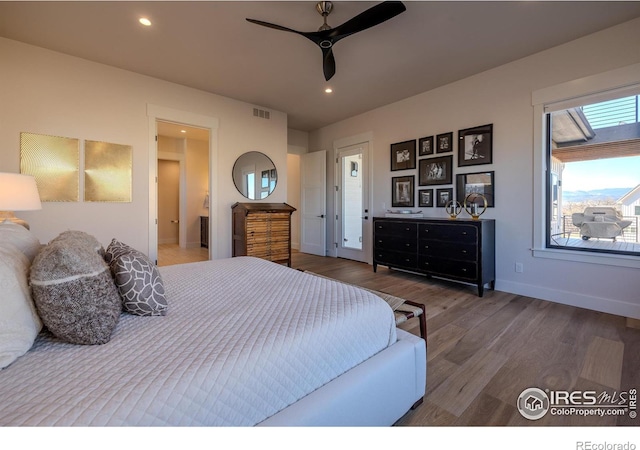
x=475 y=205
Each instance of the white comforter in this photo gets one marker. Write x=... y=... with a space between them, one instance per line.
x=243 y=339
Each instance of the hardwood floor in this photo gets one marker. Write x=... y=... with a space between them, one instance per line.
x=170 y=254
x=483 y=352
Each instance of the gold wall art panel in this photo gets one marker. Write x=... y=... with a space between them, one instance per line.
x=54 y=162
x=107 y=172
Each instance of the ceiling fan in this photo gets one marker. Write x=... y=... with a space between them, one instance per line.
x=326 y=37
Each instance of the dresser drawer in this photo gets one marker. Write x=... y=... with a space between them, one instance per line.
x=464 y=270
x=451 y=233
x=396 y=259
x=387 y=228
x=396 y=243
x=448 y=250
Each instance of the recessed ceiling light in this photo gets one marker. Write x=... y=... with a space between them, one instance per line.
x=183 y=131
x=144 y=21
x=328 y=90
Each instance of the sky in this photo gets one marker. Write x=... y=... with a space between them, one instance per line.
x=600 y=174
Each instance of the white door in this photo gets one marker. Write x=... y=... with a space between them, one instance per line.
x=168 y=201
x=353 y=229
x=313 y=181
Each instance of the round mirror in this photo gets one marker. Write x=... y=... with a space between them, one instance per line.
x=255 y=175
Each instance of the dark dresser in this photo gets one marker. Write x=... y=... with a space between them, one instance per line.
x=204 y=231
x=459 y=250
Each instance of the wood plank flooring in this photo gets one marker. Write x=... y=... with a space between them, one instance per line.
x=483 y=352
x=170 y=254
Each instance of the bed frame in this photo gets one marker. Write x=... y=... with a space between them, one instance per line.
x=378 y=392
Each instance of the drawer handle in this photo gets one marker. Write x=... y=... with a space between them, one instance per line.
x=464 y=233
x=407 y=245
x=407 y=229
x=407 y=260
x=464 y=252
x=426 y=246
x=464 y=270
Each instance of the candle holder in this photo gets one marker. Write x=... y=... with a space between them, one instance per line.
x=475 y=205
x=453 y=208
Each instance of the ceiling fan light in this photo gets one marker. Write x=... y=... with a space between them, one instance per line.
x=328 y=90
x=144 y=21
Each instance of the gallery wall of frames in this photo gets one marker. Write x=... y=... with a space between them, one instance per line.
x=434 y=158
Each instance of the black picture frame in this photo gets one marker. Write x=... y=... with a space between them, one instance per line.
x=425 y=146
x=402 y=189
x=443 y=196
x=435 y=171
x=444 y=142
x=403 y=155
x=425 y=198
x=476 y=183
x=475 y=146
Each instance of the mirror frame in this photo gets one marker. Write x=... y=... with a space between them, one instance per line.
x=265 y=174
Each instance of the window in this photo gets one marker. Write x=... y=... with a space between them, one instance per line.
x=593 y=177
x=572 y=101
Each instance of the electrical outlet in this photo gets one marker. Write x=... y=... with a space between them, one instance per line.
x=519 y=267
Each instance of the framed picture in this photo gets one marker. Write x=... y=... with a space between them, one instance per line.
x=402 y=192
x=435 y=171
x=425 y=146
x=475 y=146
x=443 y=197
x=425 y=197
x=476 y=183
x=403 y=155
x=444 y=142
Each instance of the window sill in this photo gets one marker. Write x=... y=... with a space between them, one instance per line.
x=629 y=261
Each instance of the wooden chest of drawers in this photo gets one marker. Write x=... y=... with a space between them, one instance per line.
x=262 y=230
x=460 y=250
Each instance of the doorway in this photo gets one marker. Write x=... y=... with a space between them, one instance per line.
x=168 y=201
x=353 y=229
x=182 y=193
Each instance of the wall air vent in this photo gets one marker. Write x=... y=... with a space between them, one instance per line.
x=261 y=113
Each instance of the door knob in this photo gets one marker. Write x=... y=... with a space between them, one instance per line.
x=175 y=221
x=321 y=216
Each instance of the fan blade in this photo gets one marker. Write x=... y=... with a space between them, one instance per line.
x=328 y=63
x=274 y=26
x=367 y=19
x=313 y=36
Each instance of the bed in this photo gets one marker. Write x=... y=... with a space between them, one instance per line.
x=243 y=342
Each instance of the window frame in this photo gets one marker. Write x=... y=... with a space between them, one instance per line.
x=593 y=89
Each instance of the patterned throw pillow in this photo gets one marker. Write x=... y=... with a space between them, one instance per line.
x=74 y=293
x=138 y=280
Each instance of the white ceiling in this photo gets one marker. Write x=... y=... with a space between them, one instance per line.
x=210 y=46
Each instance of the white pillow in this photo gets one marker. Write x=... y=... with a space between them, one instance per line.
x=19 y=321
x=23 y=239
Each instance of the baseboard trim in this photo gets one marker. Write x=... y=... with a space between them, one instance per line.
x=606 y=305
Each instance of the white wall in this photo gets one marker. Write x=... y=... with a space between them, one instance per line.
x=51 y=93
x=502 y=96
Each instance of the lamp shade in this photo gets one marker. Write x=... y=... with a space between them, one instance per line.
x=18 y=192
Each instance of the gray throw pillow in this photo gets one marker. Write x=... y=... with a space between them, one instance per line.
x=138 y=280
x=74 y=293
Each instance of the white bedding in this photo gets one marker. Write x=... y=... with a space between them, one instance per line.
x=243 y=339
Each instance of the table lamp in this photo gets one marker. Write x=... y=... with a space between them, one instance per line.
x=17 y=193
